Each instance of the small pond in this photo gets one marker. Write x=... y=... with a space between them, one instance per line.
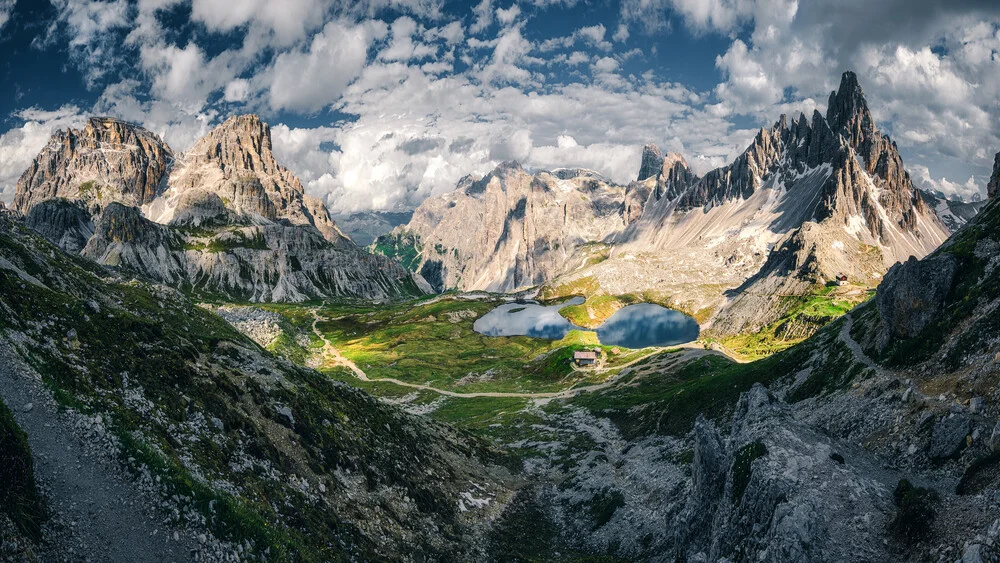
x=527 y=319
x=634 y=326
x=645 y=324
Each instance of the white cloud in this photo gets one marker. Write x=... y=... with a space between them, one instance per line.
x=402 y=47
x=6 y=9
x=286 y=21
x=483 y=13
x=507 y=17
x=312 y=79
x=237 y=90
x=967 y=191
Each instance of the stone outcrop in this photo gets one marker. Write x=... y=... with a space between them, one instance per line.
x=259 y=263
x=509 y=229
x=994 y=184
x=652 y=162
x=235 y=162
x=913 y=294
x=108 y=160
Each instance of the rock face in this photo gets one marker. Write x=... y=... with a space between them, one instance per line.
x=235 y=162
x=948 y=437
x=652 y=162
x=914 y=294
x=994 y=184
x=64 y=223
x=225 y=218
x=509 y=229
x=366 y=226
x=108 y=160
x=811 y=198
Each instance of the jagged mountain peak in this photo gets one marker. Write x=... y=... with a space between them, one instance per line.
x=652 y=162
x=107 y=160
x=848 y=114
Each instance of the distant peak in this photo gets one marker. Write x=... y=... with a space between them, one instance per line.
x=848 y=107
x=652 y=162
x=248 y=126
x=508 y=165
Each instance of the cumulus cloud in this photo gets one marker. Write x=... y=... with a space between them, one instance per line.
x=970 y=190
x=309 y=80
x=6 y=9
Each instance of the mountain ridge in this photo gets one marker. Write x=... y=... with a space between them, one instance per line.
x=224 y=218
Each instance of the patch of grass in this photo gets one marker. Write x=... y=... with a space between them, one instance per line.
x=803 y=316
x=402 y=246
x=237 y=239
x=583 y=286
x=19 y=497
x=668 y=403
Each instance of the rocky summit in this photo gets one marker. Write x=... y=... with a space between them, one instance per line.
x=223 y=218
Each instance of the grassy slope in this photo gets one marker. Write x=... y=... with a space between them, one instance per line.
x=167 y=375
x=803 y=317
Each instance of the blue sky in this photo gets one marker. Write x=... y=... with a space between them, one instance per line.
x=382 y=103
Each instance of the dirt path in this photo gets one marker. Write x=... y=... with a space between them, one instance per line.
x=98 y=513
x=332 y=353
x=859 y=354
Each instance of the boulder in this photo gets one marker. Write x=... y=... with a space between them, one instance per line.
x=949 y=437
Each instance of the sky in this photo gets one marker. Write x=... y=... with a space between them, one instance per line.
x=379 y=104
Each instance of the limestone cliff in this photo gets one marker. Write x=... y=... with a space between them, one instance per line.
x=108 y=160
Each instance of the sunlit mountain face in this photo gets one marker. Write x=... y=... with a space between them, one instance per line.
x=378 y=105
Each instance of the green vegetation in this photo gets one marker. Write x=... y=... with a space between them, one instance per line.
x=970 y=289
x=434 y=343
x=19 y=497
x=917 y=509
x=404 y=247
x=237 y=239
x=743 y=467
x=803 y=316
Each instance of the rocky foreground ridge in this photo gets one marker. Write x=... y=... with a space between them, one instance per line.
x=810 y=198
x=876 y=439
x=224 y=218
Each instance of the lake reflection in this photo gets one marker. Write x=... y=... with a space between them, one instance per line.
x=645 y=324
x=635 y=326
x=527 y=319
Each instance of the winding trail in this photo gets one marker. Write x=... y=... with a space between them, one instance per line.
x=856 y=350
x=330 y=352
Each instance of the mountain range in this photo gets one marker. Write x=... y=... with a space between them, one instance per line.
x=808 y=200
